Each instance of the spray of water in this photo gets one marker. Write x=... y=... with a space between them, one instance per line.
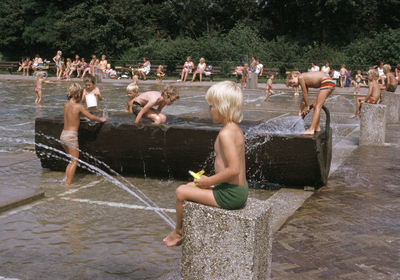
x=143 y=198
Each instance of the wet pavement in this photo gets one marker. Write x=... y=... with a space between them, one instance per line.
x=350 y=229
x=92 y=232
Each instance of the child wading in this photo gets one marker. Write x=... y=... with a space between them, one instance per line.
x=38 y=89
x=312 y=80
x=69 y=136
x=228 y=188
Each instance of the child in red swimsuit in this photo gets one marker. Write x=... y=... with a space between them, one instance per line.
x=374 y=92
x=38 y=89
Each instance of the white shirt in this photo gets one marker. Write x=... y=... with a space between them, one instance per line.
x=326 y=69
x=314 y=69
x=258 y=68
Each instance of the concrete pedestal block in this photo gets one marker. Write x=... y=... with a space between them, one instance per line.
x=373 y=124
x=252 y=84
x=98 y=75
x=227 y=244
x=392 y=102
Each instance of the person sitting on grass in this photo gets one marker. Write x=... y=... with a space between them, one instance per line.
x=374 y=92
x=228 y=188
x=312 y=80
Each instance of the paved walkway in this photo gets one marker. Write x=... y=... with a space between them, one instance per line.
x=350 y=229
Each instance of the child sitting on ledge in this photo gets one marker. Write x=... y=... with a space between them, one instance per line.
x=374 y=92
x=228 y=188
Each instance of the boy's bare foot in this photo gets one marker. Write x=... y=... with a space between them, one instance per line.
x=308 y=132
x=173 y=239
x=354 y=116
x=296 y=93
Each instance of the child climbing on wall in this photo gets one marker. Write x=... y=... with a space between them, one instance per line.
x=269 y=87
x=69 y=136
x=39 y=84
x=228 y=188
x=132 y=90
x=142 y=106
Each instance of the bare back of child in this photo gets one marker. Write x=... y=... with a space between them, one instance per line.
x=69 y=136
x=391 y=81
x=142 y=105
x=228 y=188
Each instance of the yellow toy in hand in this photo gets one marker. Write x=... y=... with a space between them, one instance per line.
x=196 y=175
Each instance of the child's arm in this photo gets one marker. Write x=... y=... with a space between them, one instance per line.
x=369 y=93
x=129 y=106
x=145 y=109
x=228 y=146
x=98 y=94
x=90 y=116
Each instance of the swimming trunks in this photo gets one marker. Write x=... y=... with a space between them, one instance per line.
x=358 y=83
x=136 y=108
x=244 y=75
x=327 y=84
x=37 y=90
x=371 y=100
x=69 y=138
x=391 y=88
x=230 y=196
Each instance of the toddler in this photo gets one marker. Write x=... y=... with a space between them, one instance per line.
x=245 y=73
x=90 y=88
x=159 y=74
x=133 y=91
x=269 y=87
x=39 y=84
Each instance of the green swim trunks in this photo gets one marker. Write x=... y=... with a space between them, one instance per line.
x=230 y=196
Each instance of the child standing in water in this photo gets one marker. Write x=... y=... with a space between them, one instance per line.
x=159 y=74
x=90 y=88
x=133 y=91
x=358 y=79
x=142 y=106
x=228 y=188
x=245 y=72
x=57 y=60
x=69 y=136
x=269 y=87
x=312 y=80
x=374 y=92
x=135 y=77
x=343 y=72
x=39 y=84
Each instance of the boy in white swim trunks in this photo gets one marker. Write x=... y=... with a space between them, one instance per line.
x=69 y=136
x=228 y=188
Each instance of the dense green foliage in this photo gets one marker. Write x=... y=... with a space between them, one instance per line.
x=282 y=33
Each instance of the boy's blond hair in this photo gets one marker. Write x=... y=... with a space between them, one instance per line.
x=387 y=68
x=228 y=99
x=373 y=73
x=290 y=76
x=170 y=91
x=74 y=91
x=39 y=75
x=132 y=88
x=89 y=78
x=160 y=67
